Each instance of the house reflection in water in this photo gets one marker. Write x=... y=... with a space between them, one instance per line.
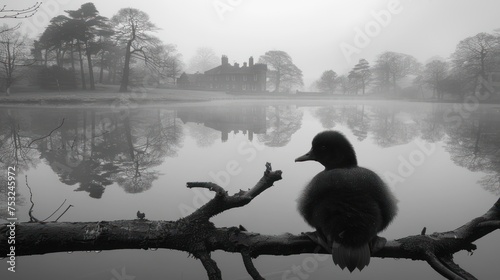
x=249 y=120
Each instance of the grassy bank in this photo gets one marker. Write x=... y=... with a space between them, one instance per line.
x=109 y=95
x=106 y=95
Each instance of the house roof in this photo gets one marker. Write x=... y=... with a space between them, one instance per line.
x=231 y=69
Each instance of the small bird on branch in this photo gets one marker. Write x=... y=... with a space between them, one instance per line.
x=141 y=215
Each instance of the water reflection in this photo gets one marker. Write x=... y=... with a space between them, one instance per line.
x=14 y=142
x=281 y=123
x=93 y=149
x=475 y=145
x=472 y=141
x=96 y=148
x=353 y=116
x=248 y=119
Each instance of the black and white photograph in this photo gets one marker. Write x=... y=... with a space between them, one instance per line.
x=249 y=139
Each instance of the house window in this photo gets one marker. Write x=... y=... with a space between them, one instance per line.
x=233 y=77
x=227 y=78
x=255 y=77
x=244 y=86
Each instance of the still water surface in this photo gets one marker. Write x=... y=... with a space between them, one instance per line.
x=441 y=161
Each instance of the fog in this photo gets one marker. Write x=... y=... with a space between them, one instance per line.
x=312 y=32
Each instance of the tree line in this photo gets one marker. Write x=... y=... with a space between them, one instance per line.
x=472 y=68
x=123 y=48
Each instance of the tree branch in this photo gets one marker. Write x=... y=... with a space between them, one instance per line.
x=448 y=261
x=48 y=135
x=252 y=271
x=30 y=212
x=10 y=29
x=438 y=265
x=222 y=202
x=19 y=13
x=196 y=235
x=210 y=265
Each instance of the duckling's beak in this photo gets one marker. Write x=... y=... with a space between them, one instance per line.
x=309 y=156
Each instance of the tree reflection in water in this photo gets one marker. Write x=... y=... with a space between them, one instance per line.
x=474 y=143
x=281 y=123
x=96 y=148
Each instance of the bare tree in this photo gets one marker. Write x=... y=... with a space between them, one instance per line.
x=346 y=85
x=7 y=28
x=14 y=54
x=174 y=66
x=475 y=57
x=133 y=29
x=328 y=81
x=168 y=63
x=283 y=74
x=204 y=59
x=435 y=72
x=476 y=53
x=392 y=66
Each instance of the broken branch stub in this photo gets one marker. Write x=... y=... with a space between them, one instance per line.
x=222 y=201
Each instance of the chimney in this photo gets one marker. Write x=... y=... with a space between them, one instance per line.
x=237 y=65
x=224 y=60
x=244 y=64
x=250 y=61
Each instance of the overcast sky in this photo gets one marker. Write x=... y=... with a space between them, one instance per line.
x=318 y=34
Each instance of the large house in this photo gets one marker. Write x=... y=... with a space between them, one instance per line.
x=226 y=77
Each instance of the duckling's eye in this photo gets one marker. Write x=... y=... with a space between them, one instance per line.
x=323 y=147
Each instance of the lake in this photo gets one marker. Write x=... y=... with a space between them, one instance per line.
x=442 y=161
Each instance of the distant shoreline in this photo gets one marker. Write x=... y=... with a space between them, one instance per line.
x=109 y=95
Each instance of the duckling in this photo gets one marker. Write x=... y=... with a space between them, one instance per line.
x=347 y=204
